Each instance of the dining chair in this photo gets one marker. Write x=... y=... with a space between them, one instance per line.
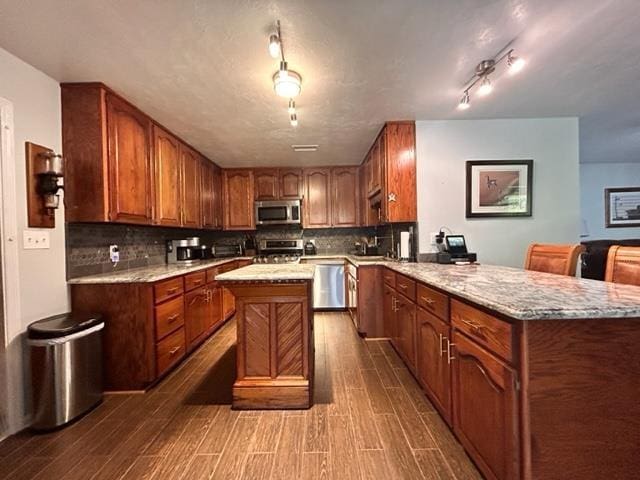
x=552 y=258
x=623 y=265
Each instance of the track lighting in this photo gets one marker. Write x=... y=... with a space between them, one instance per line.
x=292 y=106
x=514 y=63
x=485 y=87
x=465 y=102
x=481 y=75
x=274 y=46
x=294 y=120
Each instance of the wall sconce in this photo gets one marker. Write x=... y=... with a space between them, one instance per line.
x=45 y=168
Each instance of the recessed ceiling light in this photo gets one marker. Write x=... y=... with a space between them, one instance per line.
x=304 y=148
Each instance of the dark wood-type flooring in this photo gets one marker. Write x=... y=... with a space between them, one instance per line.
x=370 y=421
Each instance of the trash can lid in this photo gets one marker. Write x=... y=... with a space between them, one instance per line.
x=62 y=325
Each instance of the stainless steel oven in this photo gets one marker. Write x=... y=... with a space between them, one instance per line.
x=278 y=212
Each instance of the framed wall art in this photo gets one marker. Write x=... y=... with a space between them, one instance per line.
x=499 y=188
x=622 y=207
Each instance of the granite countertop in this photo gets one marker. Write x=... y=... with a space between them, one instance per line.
x=151 y=274
x=527 y=295
x=269 y=273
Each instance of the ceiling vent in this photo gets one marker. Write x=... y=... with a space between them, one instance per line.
x=304 y=148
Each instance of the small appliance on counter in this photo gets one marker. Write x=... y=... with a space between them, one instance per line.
x=452 y=249
x=310 y=248
x=226 y=251
x=184 y=251
x=366 y=248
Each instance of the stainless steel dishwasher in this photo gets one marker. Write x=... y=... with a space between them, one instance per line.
x=328 y=284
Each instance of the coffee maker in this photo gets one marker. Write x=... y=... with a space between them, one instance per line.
x=184 y=252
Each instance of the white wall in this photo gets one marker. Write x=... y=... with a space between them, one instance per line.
x=443 y=147
x=42 y=284
x=594 y=178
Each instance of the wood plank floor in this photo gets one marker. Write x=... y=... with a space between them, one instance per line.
x=370 y=420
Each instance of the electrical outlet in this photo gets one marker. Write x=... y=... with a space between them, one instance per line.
x=432 y=237
x=114 y=253
x=36 y=239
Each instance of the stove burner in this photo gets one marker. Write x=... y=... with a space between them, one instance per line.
x=277 y=258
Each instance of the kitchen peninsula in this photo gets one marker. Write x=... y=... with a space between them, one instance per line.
x=275 y=348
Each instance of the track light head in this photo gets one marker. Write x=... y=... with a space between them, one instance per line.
x=515 y=63
x=292 y=106
x=294 y=120
x=485 y=87
x=465 y=102
x=274 y=45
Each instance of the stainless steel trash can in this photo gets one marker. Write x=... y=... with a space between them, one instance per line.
x=66 y=367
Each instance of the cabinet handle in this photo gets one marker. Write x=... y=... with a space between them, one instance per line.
x=402 y=286
x=173 y=318
x=173 y=351
x=427 y=300
x=474 y=326
x=442 y=350
x=171 y=291
x=197 y=282
x=450 y=357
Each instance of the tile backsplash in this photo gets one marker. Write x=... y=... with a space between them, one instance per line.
x=140 y=246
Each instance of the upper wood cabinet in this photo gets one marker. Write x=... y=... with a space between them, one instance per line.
x=210 y=191
x=345 y=208
x=119 y=167
x=317 y=198
x=291 y=183
x=238 y=200
x=190 y=186
x=218 y=197
x=266 y=184
x=167 y=175
x=374 y=183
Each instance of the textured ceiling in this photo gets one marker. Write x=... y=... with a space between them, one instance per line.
x=202 y=68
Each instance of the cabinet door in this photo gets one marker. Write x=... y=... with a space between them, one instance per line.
x=266 y=184
x=374 y=165
x=238 y=200
x=400 y=204
x=317 y=198
x=389 y=313
x=485 y=415
x=190 y=162
x=432 y=364
x=345 y=197
x=406 y=324
x=207 y=194
x=167 y=177
x=290 y=183
x=218 y=195
x=129 y=158
x=214 y=315
x=196 y=313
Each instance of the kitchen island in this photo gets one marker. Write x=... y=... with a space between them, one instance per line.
x=275 y=348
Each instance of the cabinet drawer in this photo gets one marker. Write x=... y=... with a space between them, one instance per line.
x=168 y=288
x=169 y=317
x=406 y=287
x=211 y=274
x=434 y=302
x=389 y=277
x=194 y=280
x=494 y=334
x=227 y=267
x=169 y=351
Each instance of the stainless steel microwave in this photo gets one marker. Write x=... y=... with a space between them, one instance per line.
x=278 y=212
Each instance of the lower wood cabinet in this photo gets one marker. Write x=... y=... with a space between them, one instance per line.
x=485 y=405
x=406 y=330
x=197 y=311
x=433 y=361
x=389 y=312
x=170 y=351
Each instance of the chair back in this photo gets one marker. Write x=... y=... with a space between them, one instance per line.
x=550 y=258
x=623 y=265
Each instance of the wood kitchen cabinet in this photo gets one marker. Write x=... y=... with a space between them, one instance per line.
x=375 y=160
x=483 y=383
x=266 y=182
x=291 y=183
x=207 y=194
x=218 y=198
x=344 y=183
x=317 y=199
x=190 y=185
x=166 y=157
x=389 y=311
x=406 y=330
x=238 y=200
x=433 y=363
x=196 y=313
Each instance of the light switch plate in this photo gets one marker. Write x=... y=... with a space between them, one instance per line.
x=36 y=239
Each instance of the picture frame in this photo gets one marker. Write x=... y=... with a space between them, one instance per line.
x=499 y=188
x=622 y=207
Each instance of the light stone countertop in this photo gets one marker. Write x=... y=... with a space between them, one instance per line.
x=269 y=273
x=151 y=274
x=516 y=293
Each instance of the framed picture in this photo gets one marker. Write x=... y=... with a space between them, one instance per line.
x=622 y=207
x=499 y=188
